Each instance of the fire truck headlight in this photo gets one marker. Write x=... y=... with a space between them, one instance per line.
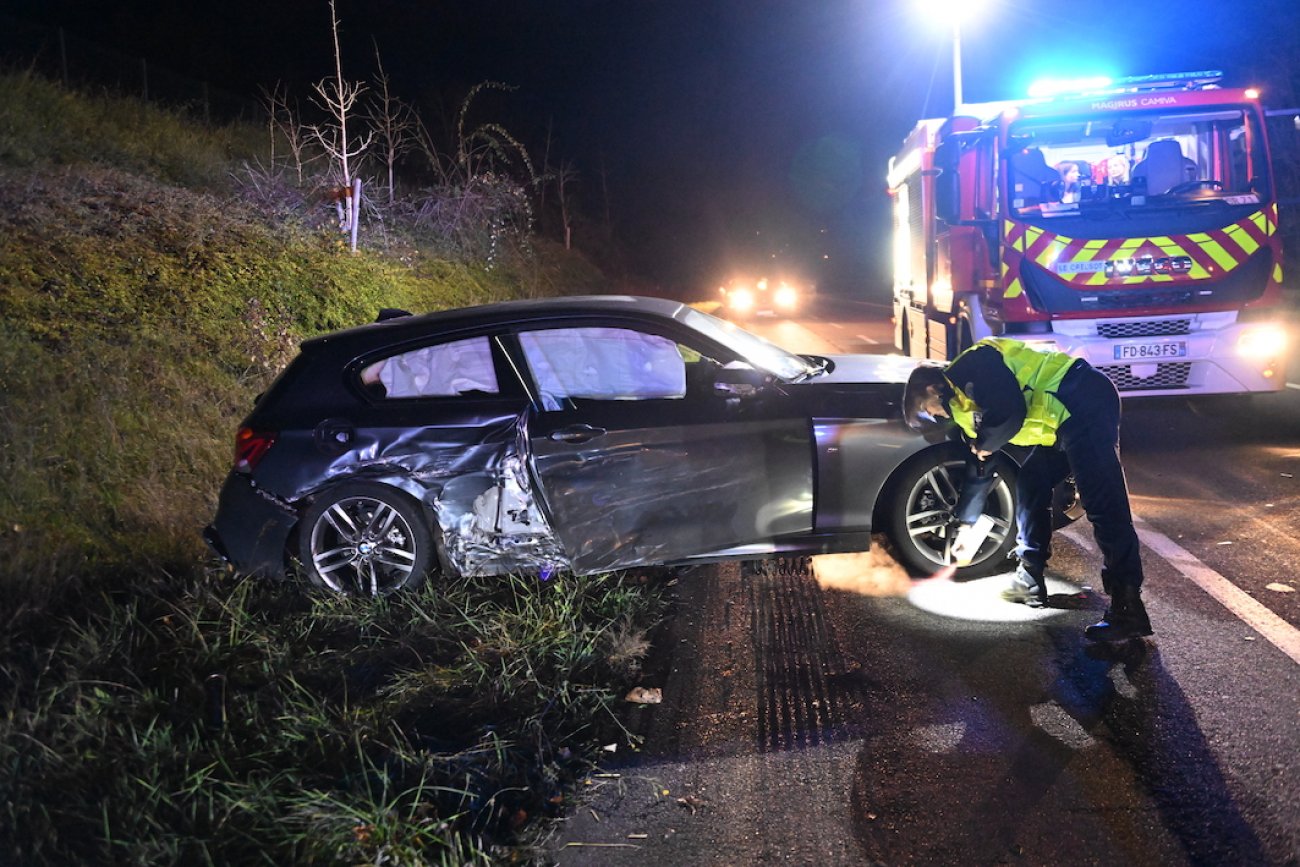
x=1262 y=342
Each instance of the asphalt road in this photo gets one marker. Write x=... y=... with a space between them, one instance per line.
x=833 y=712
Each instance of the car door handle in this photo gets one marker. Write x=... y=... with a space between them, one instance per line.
x=578 y=433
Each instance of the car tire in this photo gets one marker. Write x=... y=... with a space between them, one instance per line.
x=366 y=539
x=922 y=496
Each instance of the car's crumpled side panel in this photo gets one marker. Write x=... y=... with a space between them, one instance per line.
x=470 y=475
x=491 y=522
x=658 y=495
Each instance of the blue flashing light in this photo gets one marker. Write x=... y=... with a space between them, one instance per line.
x=1170 y=79
x=1091 y=85
x=1044 y=87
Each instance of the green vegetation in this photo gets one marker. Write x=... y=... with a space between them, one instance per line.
x=158 y=710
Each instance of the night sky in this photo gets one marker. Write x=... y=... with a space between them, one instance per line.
x=729 y=129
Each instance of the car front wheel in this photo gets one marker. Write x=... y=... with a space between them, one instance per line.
x=922 y=527
x=363 y=538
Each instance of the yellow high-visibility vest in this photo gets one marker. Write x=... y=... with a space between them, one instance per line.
x=1039 y=374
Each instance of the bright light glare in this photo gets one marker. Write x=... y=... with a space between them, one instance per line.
x=981 y=599
x=786 y=296
x=1265 y=341
x=1058 y=86
x=741 y=299
x=951 y=11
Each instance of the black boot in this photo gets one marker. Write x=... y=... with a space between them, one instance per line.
x=1125 y=618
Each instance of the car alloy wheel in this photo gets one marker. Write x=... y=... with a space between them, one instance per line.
x=365 y=539
x=921 y=520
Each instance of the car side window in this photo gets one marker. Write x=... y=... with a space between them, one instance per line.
x=603 y=364
x=442 y=370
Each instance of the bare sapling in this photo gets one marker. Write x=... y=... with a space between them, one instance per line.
x=285 y=125
x=339 y=97
x=394 y=125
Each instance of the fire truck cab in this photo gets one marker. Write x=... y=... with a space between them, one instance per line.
x=1134 y=225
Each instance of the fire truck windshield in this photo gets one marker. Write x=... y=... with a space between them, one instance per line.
x=1084 y=168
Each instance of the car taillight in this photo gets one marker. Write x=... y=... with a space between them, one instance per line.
x=250 y=446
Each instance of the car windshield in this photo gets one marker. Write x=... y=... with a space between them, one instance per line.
x=764 y=356
x=1081 y=166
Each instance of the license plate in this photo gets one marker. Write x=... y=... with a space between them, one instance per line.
x=1145 y=351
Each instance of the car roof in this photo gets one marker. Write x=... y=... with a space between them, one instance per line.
x=400 y=328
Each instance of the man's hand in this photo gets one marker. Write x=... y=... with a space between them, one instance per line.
x=980 y=453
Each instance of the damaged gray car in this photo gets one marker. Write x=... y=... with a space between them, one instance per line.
x=581 y=434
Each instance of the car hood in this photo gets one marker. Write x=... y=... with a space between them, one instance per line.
x=847 y=369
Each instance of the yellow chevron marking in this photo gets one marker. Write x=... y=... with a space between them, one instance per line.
x=1277 y=273
x=1056 y=252
x=1050 y=253
x=1243 y=239
x=1220 y=255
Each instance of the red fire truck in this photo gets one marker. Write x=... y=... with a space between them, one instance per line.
x=1134 y=225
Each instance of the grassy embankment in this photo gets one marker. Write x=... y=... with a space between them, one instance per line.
x=157 y=710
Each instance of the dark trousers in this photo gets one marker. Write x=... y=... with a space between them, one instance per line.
x=1087 y=445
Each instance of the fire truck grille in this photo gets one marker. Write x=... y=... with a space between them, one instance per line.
x=1158 y=328
x=1171 y=375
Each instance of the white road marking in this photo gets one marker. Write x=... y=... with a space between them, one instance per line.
x=1293 y=385
x=1281 y=634
x=1254 y=614
x=865 y=338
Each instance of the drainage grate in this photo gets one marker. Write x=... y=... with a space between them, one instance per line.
x=1145 y=328
x=800 y=672
x=1171 y=375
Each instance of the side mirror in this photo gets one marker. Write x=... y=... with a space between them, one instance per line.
x=738 y=380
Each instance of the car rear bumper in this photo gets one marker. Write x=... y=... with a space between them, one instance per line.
x=251 y=529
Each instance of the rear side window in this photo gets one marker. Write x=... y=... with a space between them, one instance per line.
x=442 y=370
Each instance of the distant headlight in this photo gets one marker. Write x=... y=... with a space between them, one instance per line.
x=786 y=296
x=740 y=299
x=1263 y=341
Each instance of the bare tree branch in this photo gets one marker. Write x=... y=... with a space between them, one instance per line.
x=394 y=124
